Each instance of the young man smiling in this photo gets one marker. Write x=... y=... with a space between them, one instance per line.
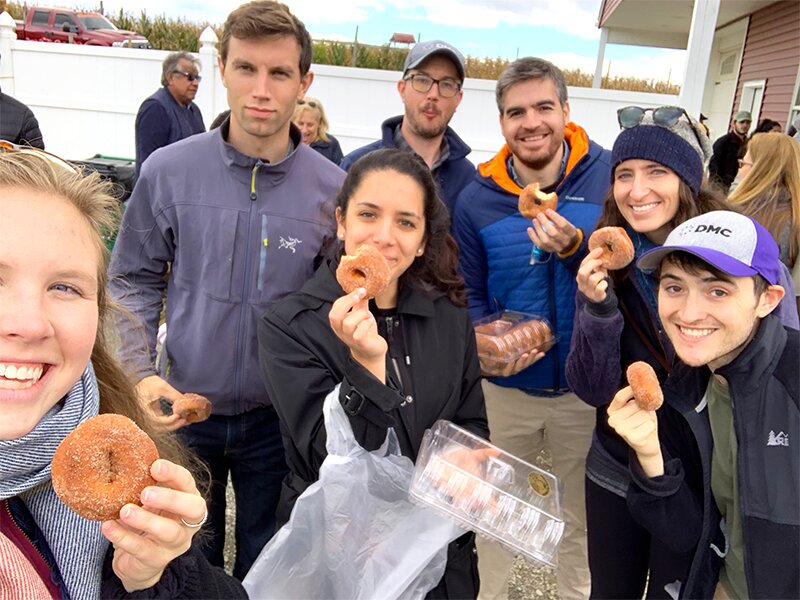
x=716 y=471
x=239 y=214
x=431 y=92
x=529 y=404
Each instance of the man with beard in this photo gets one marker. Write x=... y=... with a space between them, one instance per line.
x=724 y=162
x=529 y=405
x=431 y=91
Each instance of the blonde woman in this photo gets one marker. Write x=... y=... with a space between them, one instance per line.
x=309 y=116
x=769 y=190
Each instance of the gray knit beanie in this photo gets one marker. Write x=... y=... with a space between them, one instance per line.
x=682 y=147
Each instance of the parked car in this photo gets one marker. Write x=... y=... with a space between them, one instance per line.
x=75 y=27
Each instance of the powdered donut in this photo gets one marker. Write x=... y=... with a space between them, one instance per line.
x=532 y=201
x=192 y=407
x=617 y=247
x=103 y=465
x=644 y=383
x=366 y=268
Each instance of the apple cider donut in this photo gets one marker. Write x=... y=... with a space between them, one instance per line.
x=532 y=201
x=366 y=268
x=644 y=384
x=193 y=408
x=617 y=247
x=103 y=465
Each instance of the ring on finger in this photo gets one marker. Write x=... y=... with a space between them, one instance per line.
x=196 y=525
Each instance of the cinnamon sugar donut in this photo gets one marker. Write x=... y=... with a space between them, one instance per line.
x=644 y=384
x=193 y=408
x=366 y=268
x=532 y=201
x=498 y=344
x=617 y=247
x=103 y=465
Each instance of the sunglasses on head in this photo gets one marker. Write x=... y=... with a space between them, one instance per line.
x=663 y=116
x=310 y=103
x=6 y=146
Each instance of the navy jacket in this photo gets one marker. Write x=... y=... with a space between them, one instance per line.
x=330 y=149
x=495 y=251
x=18 y=124
x=678 y=507
x=451 y=176
x=161 y=121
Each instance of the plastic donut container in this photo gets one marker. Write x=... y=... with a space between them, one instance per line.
x=503 y=337
x=489 y=491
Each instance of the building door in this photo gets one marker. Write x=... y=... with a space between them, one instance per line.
x=724 y=91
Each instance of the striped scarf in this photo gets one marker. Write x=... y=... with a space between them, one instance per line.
x=76 y=543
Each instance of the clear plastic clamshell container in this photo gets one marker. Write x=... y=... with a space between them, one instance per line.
x=503 y=337
x=489 y=491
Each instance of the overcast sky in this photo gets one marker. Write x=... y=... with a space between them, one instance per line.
x=563 y=31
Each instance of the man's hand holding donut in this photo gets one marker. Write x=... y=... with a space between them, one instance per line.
x=146 y=538
x=525 y=360
x=150 y=389
x=354 y=324
x=592 y=277
x=551 y=232
x=639 y=428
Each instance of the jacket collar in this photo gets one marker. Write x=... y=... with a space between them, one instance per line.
x=233 y=158
x=496 y=169
x=458 y=147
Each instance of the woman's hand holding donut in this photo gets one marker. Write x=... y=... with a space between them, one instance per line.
x=551 y=232
x=150 y=389
x=354 y=324
x=639 y=428
x=146 y=538
x=592 y=277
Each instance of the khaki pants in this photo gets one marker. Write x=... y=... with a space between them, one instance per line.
x=523 y=425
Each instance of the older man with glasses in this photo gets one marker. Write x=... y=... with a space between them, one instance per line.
x=430 y=89
x=170 y=114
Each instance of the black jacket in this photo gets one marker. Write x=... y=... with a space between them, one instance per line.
x=302 y=360
x=330 y=149
x=18 y=125
x=678 y=507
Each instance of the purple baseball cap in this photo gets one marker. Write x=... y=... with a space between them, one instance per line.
x=733 y=243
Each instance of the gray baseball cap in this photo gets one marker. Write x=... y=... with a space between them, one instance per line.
x=733 y=243
x=423 y=50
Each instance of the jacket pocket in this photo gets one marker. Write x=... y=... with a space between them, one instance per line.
x=205 y=251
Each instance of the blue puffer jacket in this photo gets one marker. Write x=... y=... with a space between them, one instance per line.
x=451 y=176
x=495 y=251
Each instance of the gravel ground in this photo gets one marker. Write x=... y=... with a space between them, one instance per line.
x=527 y=581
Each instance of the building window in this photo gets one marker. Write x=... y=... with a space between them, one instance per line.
x=728 y=64
x=752 y=95
x=794 y=111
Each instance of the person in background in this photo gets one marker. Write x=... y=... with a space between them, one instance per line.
x=431 y=90
x=657 y=163
x=228 y=222
x=18 y=124
x=170 y=114
x=769 y=190
x=310 y=117
x=768 y=125
x=403 y=360
x=715 y=472
x=724 y=160
x=512 y=263
x=58 y=370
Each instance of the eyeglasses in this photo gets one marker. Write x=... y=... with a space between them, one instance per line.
x=423 y=83
x=742 y=162
x=310 y=103
x=664 y=116
x=6 y=146
x=189 y=76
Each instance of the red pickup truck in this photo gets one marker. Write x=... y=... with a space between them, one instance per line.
x=75 y=27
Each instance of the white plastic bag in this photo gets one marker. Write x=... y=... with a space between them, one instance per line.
x=354 y=533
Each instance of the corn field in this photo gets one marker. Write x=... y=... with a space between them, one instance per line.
x=167 y=33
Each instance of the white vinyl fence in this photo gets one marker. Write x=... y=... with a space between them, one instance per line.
x=86 y=97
